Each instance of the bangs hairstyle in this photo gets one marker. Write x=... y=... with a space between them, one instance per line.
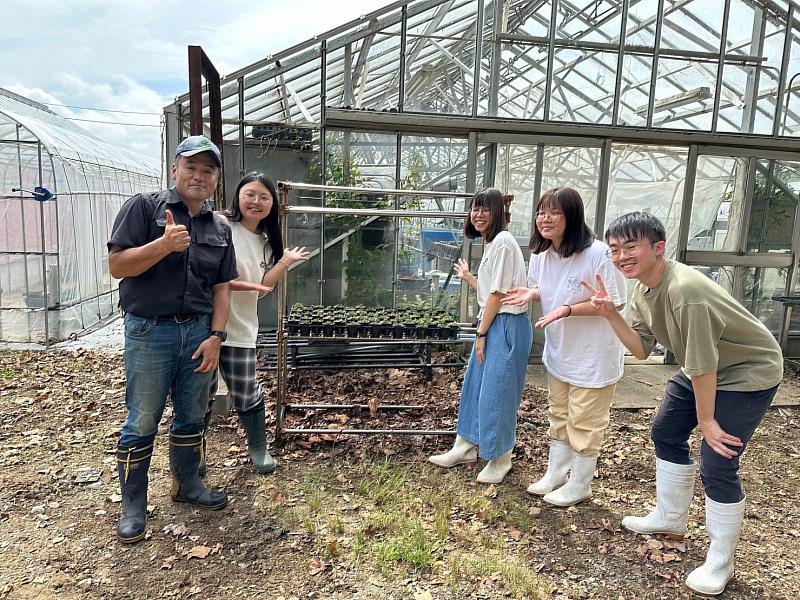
x=635 y=226
x=577 y=234
x=491 y=198
x=269 y=225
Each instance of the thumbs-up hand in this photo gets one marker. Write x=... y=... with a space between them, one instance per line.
x=176 y=237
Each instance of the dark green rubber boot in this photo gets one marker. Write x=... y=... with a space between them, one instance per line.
x=254 y=423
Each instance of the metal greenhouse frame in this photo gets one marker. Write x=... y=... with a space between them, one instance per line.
x=54 y=278
x=687 y=108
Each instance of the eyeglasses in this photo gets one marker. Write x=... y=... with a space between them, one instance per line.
x=252 y=197
x=480 y=210
x=630 y=249
x=552 y=215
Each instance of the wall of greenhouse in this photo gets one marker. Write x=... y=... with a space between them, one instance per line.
x=54 y=279
x=685 y=109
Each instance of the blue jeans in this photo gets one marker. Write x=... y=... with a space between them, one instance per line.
x=738 y=413
x=158 y=362
x=490 y=397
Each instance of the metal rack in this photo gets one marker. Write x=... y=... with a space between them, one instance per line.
x=287 y=345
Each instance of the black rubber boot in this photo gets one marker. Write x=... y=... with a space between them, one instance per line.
x=132 y=467
x=184 y=458
x=203 y=468
x=254 y=423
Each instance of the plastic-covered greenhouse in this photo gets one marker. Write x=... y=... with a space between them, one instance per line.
x=54 y=279
x=684 y=108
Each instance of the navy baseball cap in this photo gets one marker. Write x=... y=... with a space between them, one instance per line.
x=196 y=144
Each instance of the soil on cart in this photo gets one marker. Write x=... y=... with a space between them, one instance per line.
x=354 y=517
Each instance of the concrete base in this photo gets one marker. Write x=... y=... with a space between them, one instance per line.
x=222 y=399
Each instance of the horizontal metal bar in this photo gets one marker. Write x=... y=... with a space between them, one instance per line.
x=351 y=406
x=455 y=125
x=375 y=212
x=768 y=260
x=294 y=185
x=636 y=49
x=374 y=431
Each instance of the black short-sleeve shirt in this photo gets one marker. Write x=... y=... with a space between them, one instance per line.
x=181 y=282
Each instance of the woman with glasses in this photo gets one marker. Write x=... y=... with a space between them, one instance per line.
x=492 y=390
x=261 y=261
x=582 y=354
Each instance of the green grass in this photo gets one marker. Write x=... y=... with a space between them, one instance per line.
x=5 y=373
x=411 y=546
x=513 y=574
x=410 y=520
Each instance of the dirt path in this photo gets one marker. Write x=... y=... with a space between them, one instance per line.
x=358 y=518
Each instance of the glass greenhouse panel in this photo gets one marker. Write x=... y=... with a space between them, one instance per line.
x=583 y=86
x=649 y=179
x=575 y=167
x=774 y=206
x=440 y=57
x=720 y=190
x=684 y=94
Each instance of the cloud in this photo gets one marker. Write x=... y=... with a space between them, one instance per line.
x=133 y=55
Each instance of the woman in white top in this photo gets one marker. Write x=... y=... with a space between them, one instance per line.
x=261 y=262
x=582 y=355
x=492 y=390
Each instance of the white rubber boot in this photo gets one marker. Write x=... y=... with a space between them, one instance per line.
x=496 y=469
x=462 y=452
x=723 y=524
x=579 y=486
x=557 y=469
x=674 y=489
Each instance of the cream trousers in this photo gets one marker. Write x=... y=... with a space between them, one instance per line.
x=579 y=415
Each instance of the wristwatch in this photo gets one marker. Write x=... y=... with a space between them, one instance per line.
x=478 y=334
x=220 y=334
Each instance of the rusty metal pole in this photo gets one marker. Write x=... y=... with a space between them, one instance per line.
x=282 y=342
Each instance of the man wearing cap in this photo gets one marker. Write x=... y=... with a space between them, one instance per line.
x=175 y=259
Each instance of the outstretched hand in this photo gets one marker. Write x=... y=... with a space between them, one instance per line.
x=248 y=286
x=176 y=237
x=461 y=268
x=562 y=312
x=600 y=299
x=295 y=255
x=519 y=296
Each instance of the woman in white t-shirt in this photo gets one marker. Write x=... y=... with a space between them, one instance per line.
x=261 y=261
x=582 y=354
x=492 y=390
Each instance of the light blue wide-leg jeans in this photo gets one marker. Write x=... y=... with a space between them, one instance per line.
x=490 y=397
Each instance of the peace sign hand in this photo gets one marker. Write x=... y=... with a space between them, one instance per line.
x=600 y=300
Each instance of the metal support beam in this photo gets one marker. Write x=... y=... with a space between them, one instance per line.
x=476 y=73
x=686 y=205
x=654 y=71
x=787 y=49
x=602 y=188
x=723 y=42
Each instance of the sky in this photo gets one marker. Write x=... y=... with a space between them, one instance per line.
x=132 y=55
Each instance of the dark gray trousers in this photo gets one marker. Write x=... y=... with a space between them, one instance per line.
x=738 y=413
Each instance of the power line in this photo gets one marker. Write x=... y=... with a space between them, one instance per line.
x=126 y=112
x=110 y=122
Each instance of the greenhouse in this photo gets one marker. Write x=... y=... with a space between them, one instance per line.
x=54 y=279
x=687 y=109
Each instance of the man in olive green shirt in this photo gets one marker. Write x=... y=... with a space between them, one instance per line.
x=731 y=366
